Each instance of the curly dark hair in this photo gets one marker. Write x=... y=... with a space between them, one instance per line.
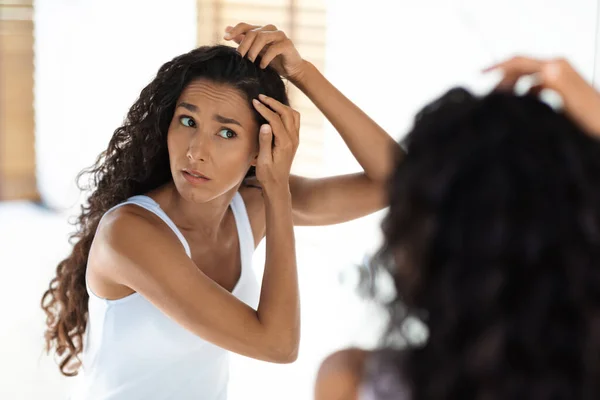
x=136 y=162
x=493 y=241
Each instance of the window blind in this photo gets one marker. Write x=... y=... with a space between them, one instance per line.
x=17 y=153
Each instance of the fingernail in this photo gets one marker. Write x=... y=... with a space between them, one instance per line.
x=227 y=36
x=256 y=101
x=262 y=96
x=228 y=28
x=264 y=129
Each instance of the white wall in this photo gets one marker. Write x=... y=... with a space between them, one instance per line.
x=393 y=57
x=92 y=58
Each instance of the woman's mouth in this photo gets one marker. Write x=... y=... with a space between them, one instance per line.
x=194 y=177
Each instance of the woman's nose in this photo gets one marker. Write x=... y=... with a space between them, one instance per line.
x=198 y=147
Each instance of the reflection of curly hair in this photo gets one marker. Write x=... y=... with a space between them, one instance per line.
x=135 y=162
x=493 y=240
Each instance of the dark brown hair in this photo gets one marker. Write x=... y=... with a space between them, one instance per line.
x=493 y=242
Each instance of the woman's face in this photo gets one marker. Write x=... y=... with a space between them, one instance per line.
x=212 y=140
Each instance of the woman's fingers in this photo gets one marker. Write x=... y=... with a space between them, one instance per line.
x=281 y=137
x=238 y=39
x=251 y=37
x=274 y=50
x=286 y=113
x=265 y=142
x=263 y=41
x=228 y=35
x=240 y=29
x=518 y=65
x=297 y=122
x=580 y=100
x=514 y=69
x=247 y=42
x=545 y=73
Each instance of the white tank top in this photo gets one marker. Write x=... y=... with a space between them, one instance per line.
x=134 y=351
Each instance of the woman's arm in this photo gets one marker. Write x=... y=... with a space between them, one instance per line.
x=343 y=198
x=333 y=199
x=369 y=143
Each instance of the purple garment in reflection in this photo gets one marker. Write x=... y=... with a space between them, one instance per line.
x=382 y=380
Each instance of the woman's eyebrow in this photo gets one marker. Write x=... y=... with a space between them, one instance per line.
x=225 y=120
x=188 y=106
x=217 y=117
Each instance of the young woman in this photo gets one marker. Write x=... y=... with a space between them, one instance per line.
x=159 y=286
x=493 y=241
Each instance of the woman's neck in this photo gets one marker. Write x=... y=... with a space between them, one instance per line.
x=203 y=219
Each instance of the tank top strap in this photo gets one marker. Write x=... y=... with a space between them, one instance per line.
x=244 y=229
x=149 y=204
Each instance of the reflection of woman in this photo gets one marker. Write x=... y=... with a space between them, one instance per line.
x=493 y=240
x=159 y=283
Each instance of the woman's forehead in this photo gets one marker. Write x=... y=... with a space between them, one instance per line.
x=205 y=94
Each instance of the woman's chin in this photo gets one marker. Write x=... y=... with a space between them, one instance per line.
x=196 y=195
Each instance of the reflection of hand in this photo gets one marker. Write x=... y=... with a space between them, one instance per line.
x=271 y=44
x=580 y=100
x=278 y=142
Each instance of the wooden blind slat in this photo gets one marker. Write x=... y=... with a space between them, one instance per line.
x=20 y=3
x=16 y=13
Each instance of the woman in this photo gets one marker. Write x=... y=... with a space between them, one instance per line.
x=159 y=285
x=493 y=241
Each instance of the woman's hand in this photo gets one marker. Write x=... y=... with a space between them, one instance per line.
x=278 y=142
x=272 y=45
x=581 y=101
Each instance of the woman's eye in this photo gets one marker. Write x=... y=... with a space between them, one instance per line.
x=187 y=121
x=227 y=134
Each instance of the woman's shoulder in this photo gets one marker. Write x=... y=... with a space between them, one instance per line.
x=355 y=374
x=127 y=227
x=127 y=240
x=341 y=374
x=128 y=218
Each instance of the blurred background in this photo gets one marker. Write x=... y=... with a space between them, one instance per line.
x=70 y=69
